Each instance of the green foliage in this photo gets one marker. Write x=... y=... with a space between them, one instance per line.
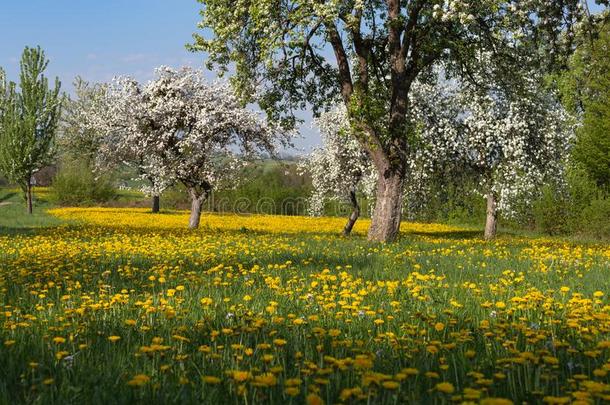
x=585 y=89
x=268 y=187
x=551 y=211
x=76 y=184
x=595 y=219
x=577 y=207
x=28 y=119
x=450 y=197
x=271 y=188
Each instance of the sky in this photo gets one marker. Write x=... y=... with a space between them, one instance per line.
x=99 y=39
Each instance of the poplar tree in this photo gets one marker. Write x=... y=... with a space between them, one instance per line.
x=29 y=113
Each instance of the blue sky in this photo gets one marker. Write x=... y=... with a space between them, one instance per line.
x=98 y=39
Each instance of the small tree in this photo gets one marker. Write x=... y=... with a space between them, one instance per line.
x=28 y=121
x=340 y=168
x=91 y=133
x=513 y=144
x=77 y=135
x=179 y=128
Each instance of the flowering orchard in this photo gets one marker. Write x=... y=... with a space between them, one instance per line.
x=511 y=145
x=123 y=306
x=281 y=59
x=177 y=128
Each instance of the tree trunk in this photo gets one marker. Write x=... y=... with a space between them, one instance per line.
x=491 y=224
x=386 y=216
x=28 y=196
x=354 y=215
x=195 y=217
x=155 y=204
x=197 y=200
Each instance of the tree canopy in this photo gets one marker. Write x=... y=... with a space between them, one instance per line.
x=29 y=113
x=586 y=91
x=287 y=55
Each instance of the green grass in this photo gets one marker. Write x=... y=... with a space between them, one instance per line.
x=440 y=303
x=13 y=211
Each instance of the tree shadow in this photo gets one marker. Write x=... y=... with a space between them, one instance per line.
x=18 y=230
x=7 y=196
x=457 y=234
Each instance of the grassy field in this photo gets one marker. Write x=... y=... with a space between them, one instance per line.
x=13 y=217
x=123 y=306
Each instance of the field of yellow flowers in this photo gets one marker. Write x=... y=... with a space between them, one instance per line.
x=122 y=306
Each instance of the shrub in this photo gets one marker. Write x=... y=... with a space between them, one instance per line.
x=551 y=211
x=576 y=207
x=76 y=184
x=594 y=220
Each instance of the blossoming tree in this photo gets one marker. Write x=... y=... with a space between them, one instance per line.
x=510 y=144
x=179 y=128
x=513 y=144
x=290 y=54
x=339 y=168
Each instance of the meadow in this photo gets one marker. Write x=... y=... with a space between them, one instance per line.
x=116 y=305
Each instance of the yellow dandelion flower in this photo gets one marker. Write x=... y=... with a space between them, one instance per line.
x=210 y=379
x=445 y=387
x=139 y=380
x=314 y=399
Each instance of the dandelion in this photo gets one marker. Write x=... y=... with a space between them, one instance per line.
x=390 y=385
x=207 y=301
x=241 y=376
x=279 y=342
x=209 y=379
x=264 y=380
x=139 y=380
x=292 y=391
x=314 y=399
x=496 y=401
x=445 y=387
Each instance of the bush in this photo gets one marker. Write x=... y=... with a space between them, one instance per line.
x=267 y=187
x=595 y=219
x=552 y=211
x=576 y=207
x=75 y=184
